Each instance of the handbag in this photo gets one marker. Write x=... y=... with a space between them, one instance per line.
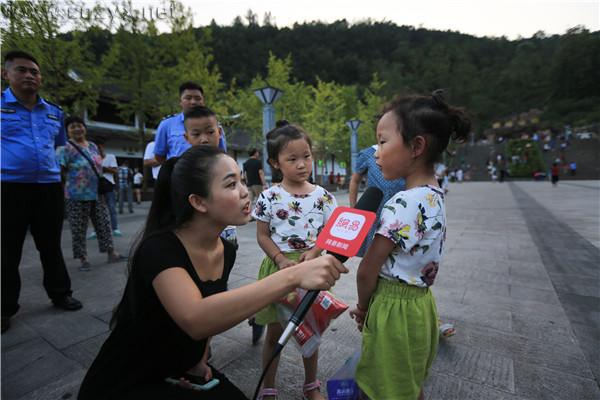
x=104 y=185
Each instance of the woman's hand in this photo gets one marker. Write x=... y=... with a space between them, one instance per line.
x=320 y=273
x=204 y=370
x=201 y=370
x=310 y=254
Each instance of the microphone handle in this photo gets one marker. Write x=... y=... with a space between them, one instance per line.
x=303 y=307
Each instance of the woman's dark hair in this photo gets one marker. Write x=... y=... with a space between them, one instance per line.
x=191 y=173
x=430 y=116
x=278 y=138
x=73 y=119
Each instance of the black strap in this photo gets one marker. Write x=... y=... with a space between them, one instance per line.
x=86 y=157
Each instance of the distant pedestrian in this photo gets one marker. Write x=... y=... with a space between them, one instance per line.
x=138 y=179
x=555 y=171
x=125 y=186
x=150 y=161
x=366 y=166
x=502 y=168
x=32 y=196
x=109 y=171
x=573 y=168
x=80 y=163
x=441 y=175
x=254 y=175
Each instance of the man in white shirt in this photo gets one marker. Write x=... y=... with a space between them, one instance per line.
x=150 y=161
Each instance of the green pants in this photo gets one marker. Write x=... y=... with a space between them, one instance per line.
x=399 y=341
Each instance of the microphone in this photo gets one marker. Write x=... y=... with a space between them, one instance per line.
x=369 y=201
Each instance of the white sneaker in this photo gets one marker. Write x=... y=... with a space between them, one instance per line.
x=117 y=233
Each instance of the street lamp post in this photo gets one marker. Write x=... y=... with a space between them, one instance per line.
x=353 y=124
x=267 y=95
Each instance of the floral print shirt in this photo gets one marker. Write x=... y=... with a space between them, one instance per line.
x=295 y=220
x=82 y=182
x=415 y=220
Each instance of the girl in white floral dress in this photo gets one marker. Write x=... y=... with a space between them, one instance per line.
x=396 y=311
x=289 y=217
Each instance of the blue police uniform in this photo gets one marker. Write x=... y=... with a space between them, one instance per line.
x=32 y=196
x=170 y=141
x=29 y=139
x=365 y=163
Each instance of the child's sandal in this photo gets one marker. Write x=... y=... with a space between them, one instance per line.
x=309 y=387
x=271 y=392
x=447 y=330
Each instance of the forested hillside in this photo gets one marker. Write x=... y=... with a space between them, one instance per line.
x=493 y=77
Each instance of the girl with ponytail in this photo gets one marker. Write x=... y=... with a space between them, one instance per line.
x=396 y=311
x=176 y=296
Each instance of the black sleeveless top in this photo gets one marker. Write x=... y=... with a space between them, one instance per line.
x=146 y=345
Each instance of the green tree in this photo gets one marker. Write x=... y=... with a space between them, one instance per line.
x=369 y=110
x=332 y=106
x=130 y=71
x=184 y=56
x=70 y=77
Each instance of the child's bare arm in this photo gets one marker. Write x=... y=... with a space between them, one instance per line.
x=263 y=236
x=368 y=270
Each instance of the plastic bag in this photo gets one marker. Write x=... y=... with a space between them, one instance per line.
x=325 y=308
x=342 y=385
x=307 y=339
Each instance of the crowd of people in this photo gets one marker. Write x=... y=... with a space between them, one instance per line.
x=176 y=295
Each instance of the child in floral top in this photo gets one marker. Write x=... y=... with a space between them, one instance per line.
x=396 y=311
x=289 y=217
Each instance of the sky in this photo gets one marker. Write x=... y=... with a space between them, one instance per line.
x=510 y=18
x=493 y=18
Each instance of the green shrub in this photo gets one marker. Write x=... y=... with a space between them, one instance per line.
x=530 y=158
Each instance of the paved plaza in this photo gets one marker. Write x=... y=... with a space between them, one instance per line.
x=520 y=280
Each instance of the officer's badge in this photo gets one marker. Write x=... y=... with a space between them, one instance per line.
x=8 y=110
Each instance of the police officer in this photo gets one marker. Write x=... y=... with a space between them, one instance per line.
x=169 y=140
x=32 y=196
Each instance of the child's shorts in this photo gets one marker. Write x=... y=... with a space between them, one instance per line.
x=399 y=341
x=268 y=315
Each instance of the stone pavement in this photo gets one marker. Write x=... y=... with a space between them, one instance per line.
x=520 y=280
